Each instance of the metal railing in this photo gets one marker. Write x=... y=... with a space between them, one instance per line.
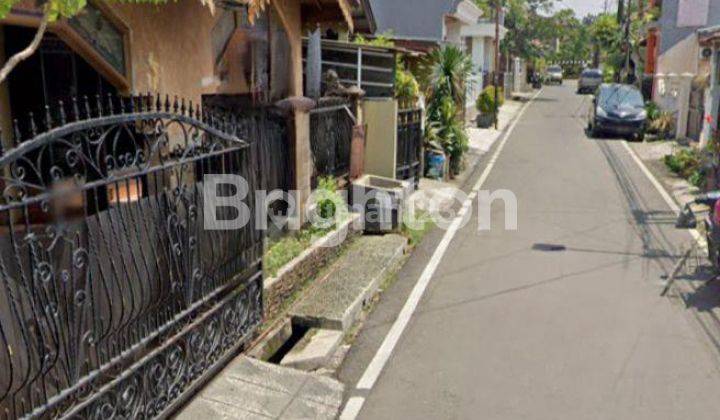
x=115 y=300
x=331 y=131
x=409 y=145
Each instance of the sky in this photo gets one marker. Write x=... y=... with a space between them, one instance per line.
x=583 y=7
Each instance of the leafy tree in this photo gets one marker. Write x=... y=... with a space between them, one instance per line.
x=573 y=38
x=606 y=35
x=531 y=31
x=59 y=9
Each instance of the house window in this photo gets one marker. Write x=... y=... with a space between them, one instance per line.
x=54 y=73
x=717 y=68
x=106 y=39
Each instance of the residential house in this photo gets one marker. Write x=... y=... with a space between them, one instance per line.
x=678 y=58
x=426 y=24
x=115 y=299
x=709 y=38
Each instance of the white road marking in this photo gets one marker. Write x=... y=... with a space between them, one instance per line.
x=663 y=193
x=373 y=370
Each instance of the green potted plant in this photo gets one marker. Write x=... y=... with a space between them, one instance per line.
x=485 y=105
x=663 y=125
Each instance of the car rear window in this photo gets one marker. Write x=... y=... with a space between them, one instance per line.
x=593 y=74
x=616 y=95
x=554 y=68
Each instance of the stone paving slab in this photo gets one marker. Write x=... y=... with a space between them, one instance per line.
x=314 y=350
x=251 y=389
x=355 y=278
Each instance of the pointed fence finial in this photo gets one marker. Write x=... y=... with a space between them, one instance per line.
x=167 y=103
x=158 y=102
x=75 y=109
x=182 y=106
x=33 y=127
x=175 y=105
x=86 y=105
x=61 y=108
x=48 y=119
x=17 y=137
x=98 y=105
x=111 y=111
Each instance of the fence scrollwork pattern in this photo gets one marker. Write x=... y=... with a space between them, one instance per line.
x=113 y=297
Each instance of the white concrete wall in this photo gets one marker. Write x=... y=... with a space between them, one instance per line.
x=478 y=54
x=672 y=94
x=489 y=54
x=712 y=99
x=681 y=58
x=452 y=31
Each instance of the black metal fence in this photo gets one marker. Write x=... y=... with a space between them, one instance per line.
x=409 y=145
x=331 y=131
x=116 y=300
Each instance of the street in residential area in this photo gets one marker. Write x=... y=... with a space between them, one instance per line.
x=360 y=209
x=561 y=318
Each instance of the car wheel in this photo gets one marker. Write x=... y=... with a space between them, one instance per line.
x=592 y=131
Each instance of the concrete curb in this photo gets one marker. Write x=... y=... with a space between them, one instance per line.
x=292 y=276
x=353 y=311
x=330 y=238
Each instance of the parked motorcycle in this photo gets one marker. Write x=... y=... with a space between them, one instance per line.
x=536 y=80
x=688 y=220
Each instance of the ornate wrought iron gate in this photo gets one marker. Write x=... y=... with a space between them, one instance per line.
x=331 y=128
x=409 y=145
x=115 y=301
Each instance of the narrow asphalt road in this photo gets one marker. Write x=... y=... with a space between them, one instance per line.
x=508 y=332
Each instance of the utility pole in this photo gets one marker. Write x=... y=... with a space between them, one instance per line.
x=627 y=20
x=496 y=79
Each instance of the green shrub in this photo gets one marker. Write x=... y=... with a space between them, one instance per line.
x=486 y=100
x=684 y=162
x=653 y=111
x=327 y=198
x=407 y=89
x=608 y=74
x=697 y=178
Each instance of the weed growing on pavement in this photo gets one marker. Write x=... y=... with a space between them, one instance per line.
x=415 y=236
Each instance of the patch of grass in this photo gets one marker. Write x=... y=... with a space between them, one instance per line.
x=285 y=249
x=417 y=232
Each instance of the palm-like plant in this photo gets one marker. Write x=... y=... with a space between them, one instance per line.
x=449 y=72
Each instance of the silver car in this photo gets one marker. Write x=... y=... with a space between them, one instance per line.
x=590 y=80
x=554 y=75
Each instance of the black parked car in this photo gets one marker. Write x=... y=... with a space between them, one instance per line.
x=619 y=110
x=589 y=81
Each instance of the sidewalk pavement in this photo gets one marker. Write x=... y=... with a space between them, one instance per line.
x=652 y=154
x=250 y=389
x=481 y=141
